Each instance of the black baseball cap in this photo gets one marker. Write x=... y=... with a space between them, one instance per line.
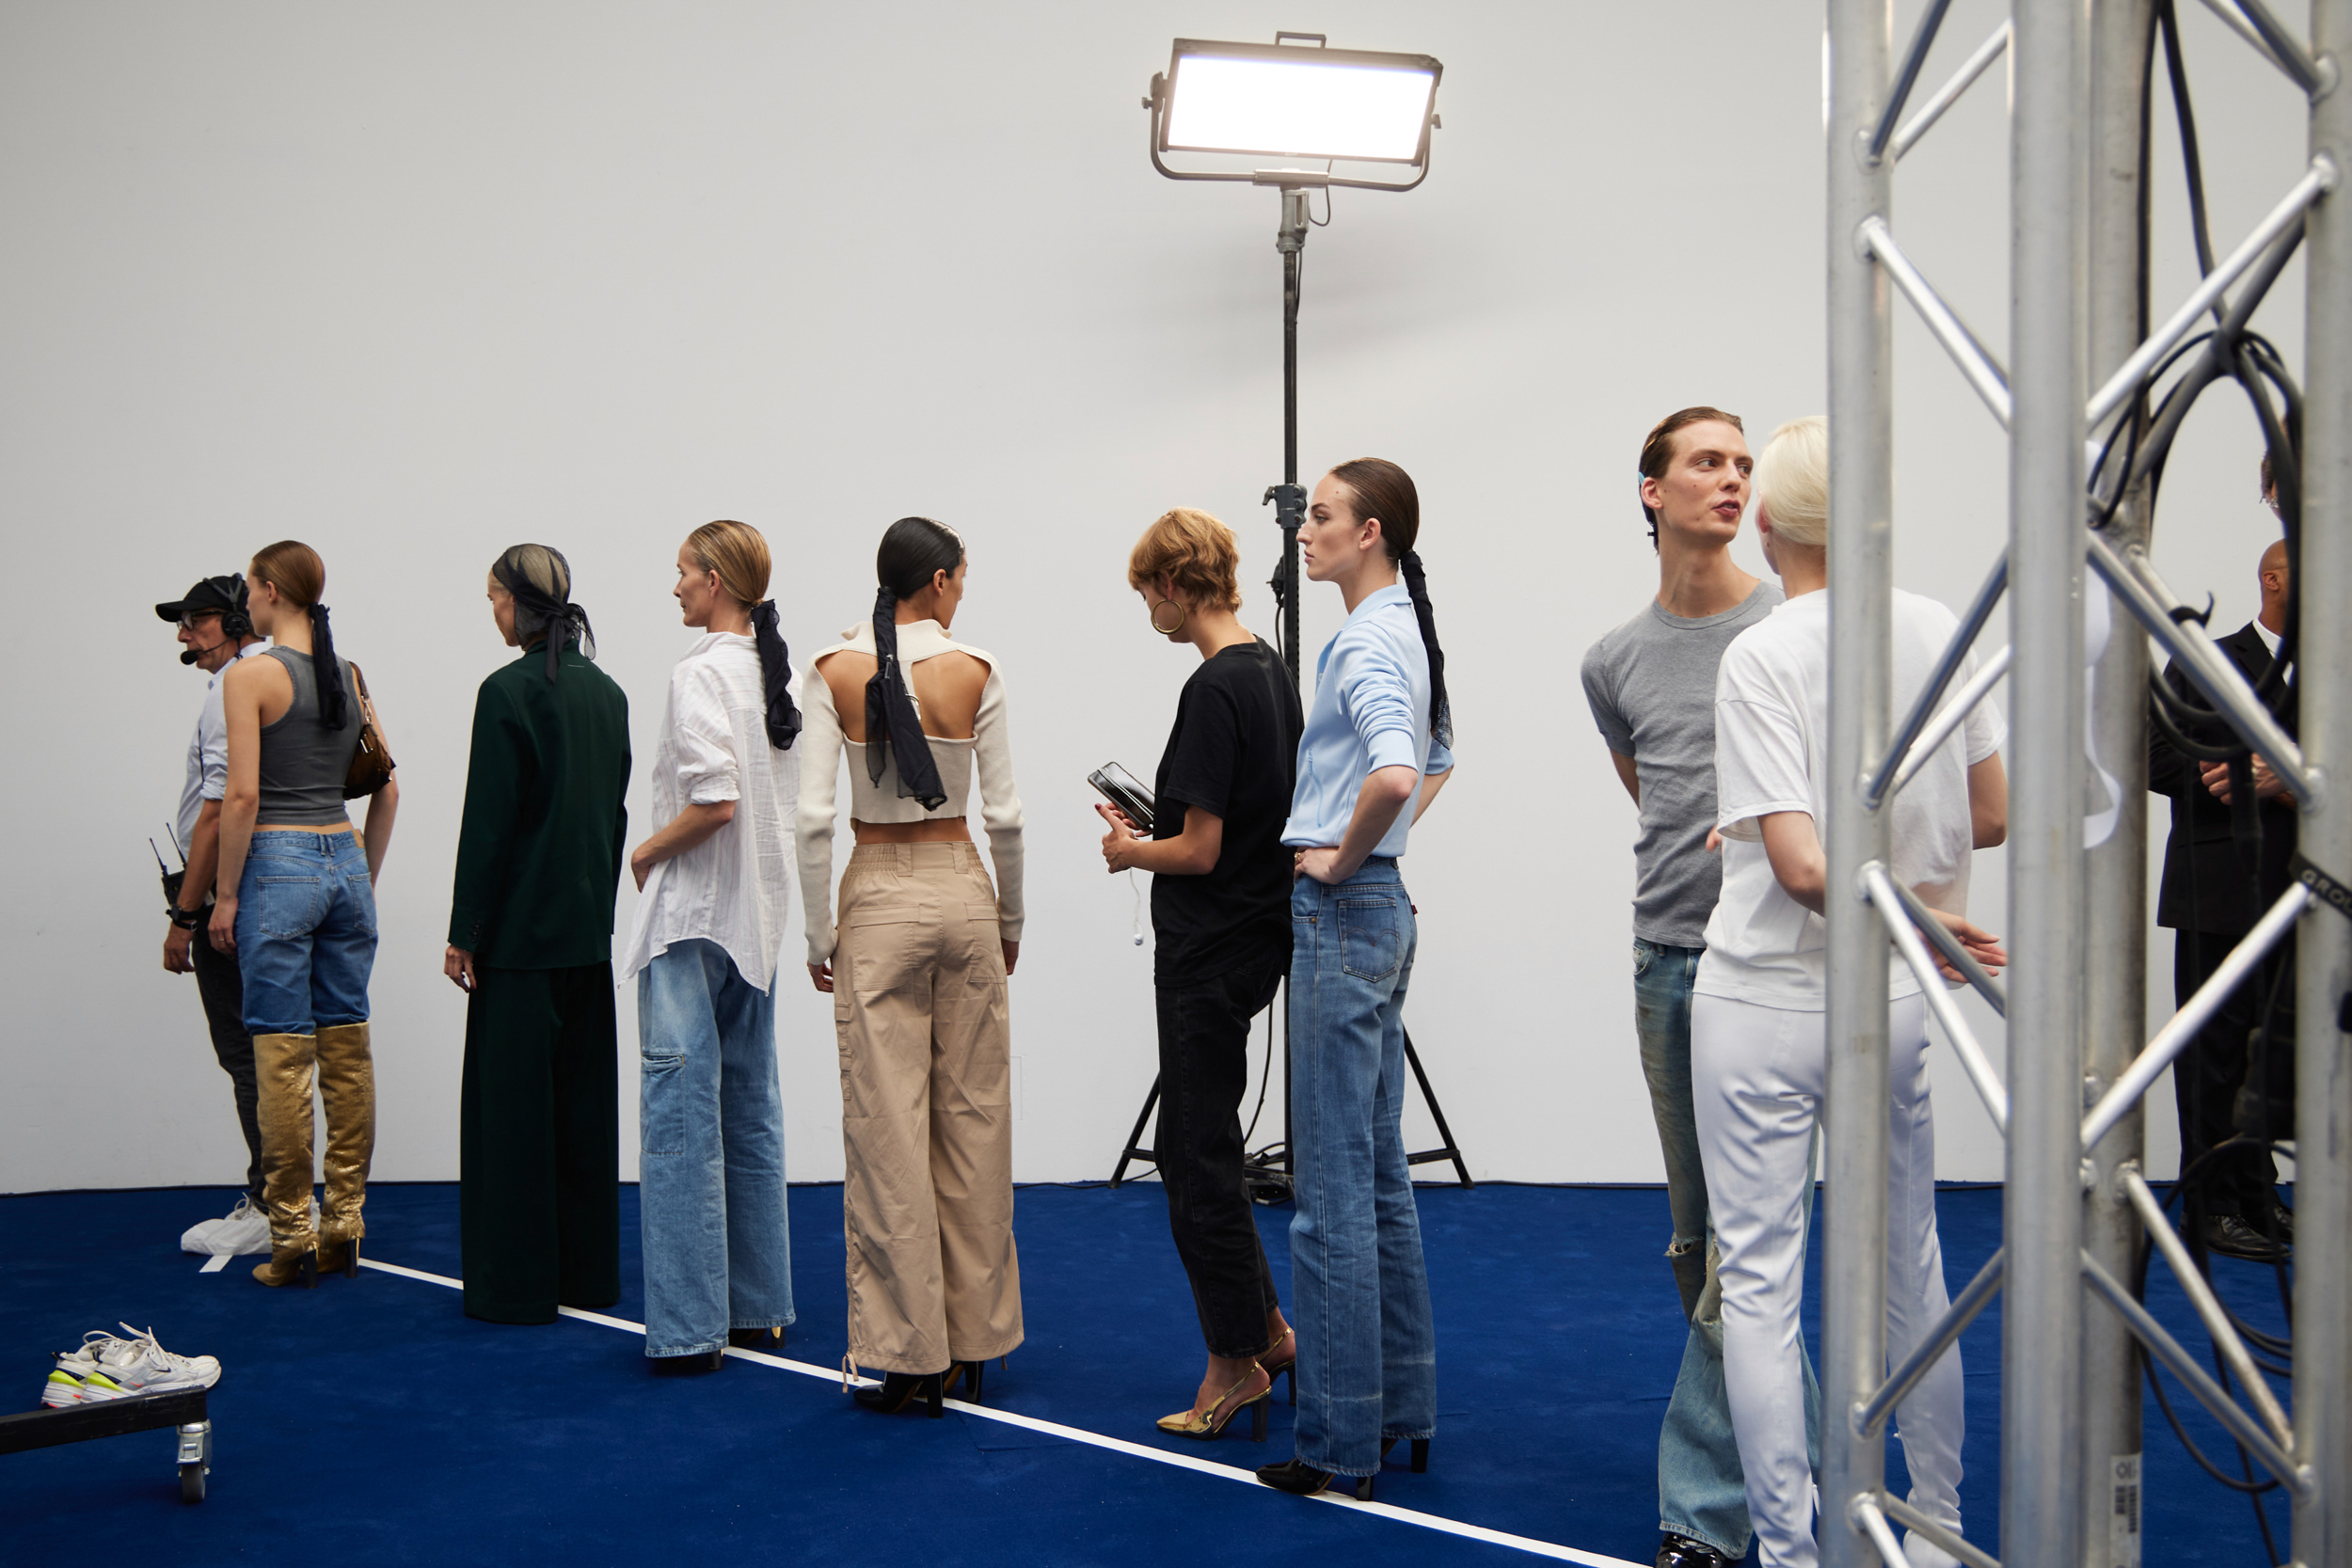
x=213 y=596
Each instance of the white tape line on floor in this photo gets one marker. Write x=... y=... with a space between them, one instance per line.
x=1096 y=1439
x=213 y=1264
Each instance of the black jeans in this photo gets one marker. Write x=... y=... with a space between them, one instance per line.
x=1205 y=1071
x=2207 y=1075
x=222 y=995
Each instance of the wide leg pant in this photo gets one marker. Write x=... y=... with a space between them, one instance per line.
x=1756 y=1076
x=538 y=1144
x=926 y=1042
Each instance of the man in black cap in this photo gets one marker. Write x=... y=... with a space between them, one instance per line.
x=215 y=633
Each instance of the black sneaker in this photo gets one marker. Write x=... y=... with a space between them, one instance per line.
x=1680 y=1551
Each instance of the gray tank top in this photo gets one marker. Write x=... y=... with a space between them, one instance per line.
x=303 y=763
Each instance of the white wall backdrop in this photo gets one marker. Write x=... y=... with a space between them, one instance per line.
x=413 y=283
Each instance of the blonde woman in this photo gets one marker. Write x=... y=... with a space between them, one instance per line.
x=916 y=967
x=1220 y=923
x=297 y=909
x=1759 y=1054
x=715 y=883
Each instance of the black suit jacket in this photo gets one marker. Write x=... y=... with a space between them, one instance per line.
x=2225 y=899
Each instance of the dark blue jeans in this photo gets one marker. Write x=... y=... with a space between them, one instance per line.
x=1360 y=1292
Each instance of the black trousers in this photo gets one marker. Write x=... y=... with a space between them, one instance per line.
x=538 y=1151
x=223 y=993
x=2206 y=1078
x=1205 y=1071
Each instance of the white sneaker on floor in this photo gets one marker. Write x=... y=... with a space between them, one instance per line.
x=90 y=1356
x=64 y=1388
x=143 y=1367
x=245 y=1229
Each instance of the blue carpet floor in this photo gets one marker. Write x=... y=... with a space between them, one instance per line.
x=370 y=1422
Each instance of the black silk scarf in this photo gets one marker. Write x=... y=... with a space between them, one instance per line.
x=891 y=728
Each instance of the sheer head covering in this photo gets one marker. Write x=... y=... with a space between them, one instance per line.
x=540 y=580
x=913 y=551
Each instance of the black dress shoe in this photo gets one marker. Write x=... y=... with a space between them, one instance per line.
x=2283 y=1224
x=688 y=1365
x=2232 y=1237
x=1305 y=1481
x=1680 y=1551
x=770 y=1339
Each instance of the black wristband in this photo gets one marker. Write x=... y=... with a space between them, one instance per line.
x=187 y=920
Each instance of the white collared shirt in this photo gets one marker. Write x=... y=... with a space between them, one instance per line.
x=735 y=888
x=208 y=753
x=2270 y=638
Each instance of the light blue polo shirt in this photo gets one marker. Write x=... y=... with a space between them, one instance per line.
x=1371 y=710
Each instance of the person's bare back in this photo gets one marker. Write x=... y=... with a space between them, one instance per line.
x=946 y=690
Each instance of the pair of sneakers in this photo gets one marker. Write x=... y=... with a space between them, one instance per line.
x=109 y=1367
x=245 y=1229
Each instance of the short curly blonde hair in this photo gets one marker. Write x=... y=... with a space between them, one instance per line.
x=1195 y=552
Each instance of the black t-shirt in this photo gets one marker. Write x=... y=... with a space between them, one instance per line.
x=1234 y=753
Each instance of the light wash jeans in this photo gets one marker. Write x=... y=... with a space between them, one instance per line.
x=1702 y=1491
x=711 y=1127
x=306 y=932
x=1360 y=1293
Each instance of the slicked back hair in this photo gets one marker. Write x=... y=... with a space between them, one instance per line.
x=1658 y=451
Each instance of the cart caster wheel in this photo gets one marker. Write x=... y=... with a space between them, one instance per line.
x=192 y=1483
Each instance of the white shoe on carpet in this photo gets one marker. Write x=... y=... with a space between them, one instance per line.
x=245 y=1229
x=144 y=1366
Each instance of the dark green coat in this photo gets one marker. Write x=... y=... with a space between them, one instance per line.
x=539 y=855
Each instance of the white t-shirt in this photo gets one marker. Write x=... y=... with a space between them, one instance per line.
x=1772 y=755
x=734 y=887
x=208 y=753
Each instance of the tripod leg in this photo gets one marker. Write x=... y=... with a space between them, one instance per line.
x=1445 y=1134
x=1135 y=1139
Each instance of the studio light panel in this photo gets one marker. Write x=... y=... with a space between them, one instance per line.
x=1298 y=102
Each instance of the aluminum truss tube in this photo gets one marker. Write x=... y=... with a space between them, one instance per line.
x=2184 y=1366
x=1861 y=665
x=1911 y=1519
x=1954 y=713
x=2322 y=1167
x=2041 y=1321
x=1869 y=1418
x=1945 y=327
x=2236 y=21
x=1939 y=1001
x=2115 y=872
x=2121 y=387
x=1948 y=946
x=1948 y=664
x=2202 y=659
x=1948 y=94
x=2208 y=1306
x=2275 y=926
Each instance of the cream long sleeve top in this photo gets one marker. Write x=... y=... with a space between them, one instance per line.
x=989 y=751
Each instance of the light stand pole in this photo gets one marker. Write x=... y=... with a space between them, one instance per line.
x=1272 y=1165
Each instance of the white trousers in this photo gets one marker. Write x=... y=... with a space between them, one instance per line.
x=1756 y=1078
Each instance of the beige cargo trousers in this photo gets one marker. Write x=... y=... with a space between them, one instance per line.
x=924 y=1032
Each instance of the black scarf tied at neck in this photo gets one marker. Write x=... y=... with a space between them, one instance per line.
x=775 y=673
x=561 y=617
x=892 y=726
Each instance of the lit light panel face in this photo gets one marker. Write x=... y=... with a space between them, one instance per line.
x=1299 y=109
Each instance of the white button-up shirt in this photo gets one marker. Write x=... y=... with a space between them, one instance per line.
x=208 y=753
x=734 y=887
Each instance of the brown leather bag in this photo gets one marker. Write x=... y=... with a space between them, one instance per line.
x=370 y=764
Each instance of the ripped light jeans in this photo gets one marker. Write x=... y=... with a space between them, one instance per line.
x=1702 y=1491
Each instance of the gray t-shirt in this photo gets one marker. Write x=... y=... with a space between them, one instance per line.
x=1651 y=683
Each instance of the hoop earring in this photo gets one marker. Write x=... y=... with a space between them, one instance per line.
x=1183 y=613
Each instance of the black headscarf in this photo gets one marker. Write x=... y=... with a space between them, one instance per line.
x=775 y=673
x=560 y=618
x=891 y=724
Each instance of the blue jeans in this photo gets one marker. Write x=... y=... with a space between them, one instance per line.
x=1702 y=1489
x=711 y=1126
x=1360 y=1293
x=306 y=932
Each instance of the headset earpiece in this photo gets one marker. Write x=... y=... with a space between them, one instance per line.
x=236 y=621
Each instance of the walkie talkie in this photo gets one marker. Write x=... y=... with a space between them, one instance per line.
x=173 y=880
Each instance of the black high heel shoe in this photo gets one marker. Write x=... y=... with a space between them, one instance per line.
x=1276 y=1370
x=768 y=1339
x=970 y=1375
x=1301 y=1480
x=1420 y=1453
x=898 y=1390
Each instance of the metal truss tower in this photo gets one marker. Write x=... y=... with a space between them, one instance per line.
x=2082 y=359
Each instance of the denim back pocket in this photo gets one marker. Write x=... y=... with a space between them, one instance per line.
x=362 y=894
x=1370 y=945
x=289 y=906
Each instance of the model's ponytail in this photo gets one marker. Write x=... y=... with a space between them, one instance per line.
x=1380 y=490
x=913 y=551
x=294 y=569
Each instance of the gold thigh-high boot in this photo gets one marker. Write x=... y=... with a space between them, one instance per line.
x=348 y=1090
x=283 y=1066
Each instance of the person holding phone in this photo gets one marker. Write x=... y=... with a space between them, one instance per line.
x=1377 y=748
x=1220 y=919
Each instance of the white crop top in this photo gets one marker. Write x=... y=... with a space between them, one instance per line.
x=879 y=801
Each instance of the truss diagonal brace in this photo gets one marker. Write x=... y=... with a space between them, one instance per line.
x=1871 y=1414
x=2209 y=1308
x=1880 y=784
x=1975 y=361
x=1886 y=898
x=1911 y=1519
x=2182 y=1365
x=1954 y=715
x=1948 y=94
